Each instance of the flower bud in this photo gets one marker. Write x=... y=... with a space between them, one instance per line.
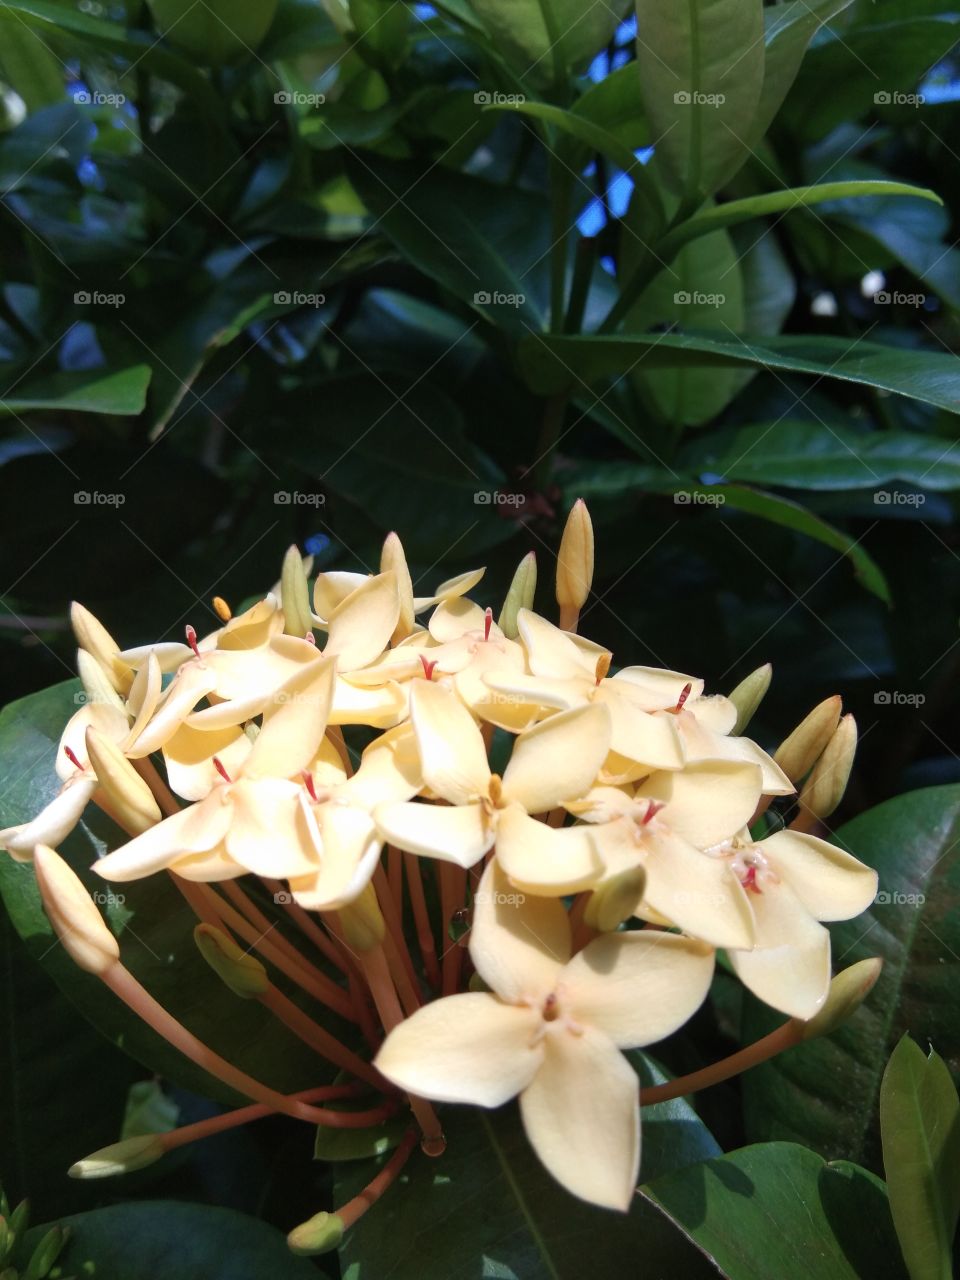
x=121 y=1157
x=362 y=921
x=242 y=973
x=320 y=1234
x=295 y=595
x=828 y=779
x=519 y=596
x=96 y=682
x=574 y=565
x=748 y=695
x=797 y=754
x=46 y=1253
x=615 y=900
x=70 y=909
x=93 y=636
x=393 y=557
x=130 y=799
x=848 y=990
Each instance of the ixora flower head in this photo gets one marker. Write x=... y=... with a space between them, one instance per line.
x=347 y=771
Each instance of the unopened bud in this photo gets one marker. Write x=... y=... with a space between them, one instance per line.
x=393 y=558
x=320 y=1234
x=93 y=636
x=574 y=565
x=46 y=1253
x=130 y=800
x=615 y=900
x=295 y=595
x=798 y=753
x=848 y=990
x=748 y=695
x=519 y=596
x=70 y=909
x=242 y=973
x=121 y=1157
x=828 y=780
x=96 y=683
x=362 y=921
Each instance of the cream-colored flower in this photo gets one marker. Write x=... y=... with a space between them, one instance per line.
x=551 y=1030
x=552 y=763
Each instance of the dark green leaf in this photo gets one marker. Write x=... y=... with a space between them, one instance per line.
x=123 y=392
x=28 y=66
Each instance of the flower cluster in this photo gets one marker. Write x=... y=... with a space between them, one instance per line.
x=604 y=832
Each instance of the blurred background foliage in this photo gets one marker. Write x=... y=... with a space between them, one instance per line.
x=301 y=271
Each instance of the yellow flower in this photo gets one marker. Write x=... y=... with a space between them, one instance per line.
x=551 y=1030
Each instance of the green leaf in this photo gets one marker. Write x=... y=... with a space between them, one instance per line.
x=824 y=1093
x=537 y=36
x=920 y=1128
x=490 y=1199
x=778 y=1210
x=815 y=455
x=554 y=363
x=28 y=66
x=701 y=67
x=485 y=243
x=152 y=922
x=167 y=1240
x=216 y=31
x=123 y=392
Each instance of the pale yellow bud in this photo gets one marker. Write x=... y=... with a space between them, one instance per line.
x=93 y=636
x=130 y=799
x=615 y=900
x=320 y=1234
x=70 y=909
x=797 y=754
x=241 y=972
x=748 y=695
x=828 y=780
x=362 y=921
x=121 y=1157
x=96 y=682
x=295 y=595
x=393 y=558
x=575 y=564
x=848 y=990
x=519 y=596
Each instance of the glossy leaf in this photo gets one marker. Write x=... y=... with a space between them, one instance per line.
x=28 y=66
x=920 y=1128
x=123 y=392
x=538 y=38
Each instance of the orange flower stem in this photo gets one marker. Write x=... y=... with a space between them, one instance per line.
x=384 y=993
x=359 y=992
x=309 y=927
x=569 y=617
x=421 y=917
x=397 y=952
x=161 y=792
x=453 y=886
x=320 y=1040
x=395 y=875
x=255 y=916
x=354 y=1209
x=136 y=997
x=785 y=1037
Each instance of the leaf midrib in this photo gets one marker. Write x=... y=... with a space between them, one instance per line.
x=521 y=1202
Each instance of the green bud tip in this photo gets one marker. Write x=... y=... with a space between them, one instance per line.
x=848 y=990
x=295 y=595
x=320 y=1234
x=519 y=596
x=242 y=973
x=615 y=901
x=121 y=1157
x=748 y=695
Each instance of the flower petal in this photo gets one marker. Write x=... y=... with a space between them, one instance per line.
x=331 y=589
x=456 y=617
x=465 y=1048
x=189 y=754
x=267 y=834
x=453 y=833
x=518 y=943
x=582 y=1116
x=452 y=752
x=698 y=892
x=831 y=884
x=196 y=829
x=550 y=651
x=54 y=822
x=360 y=627
x=790 y=966
x=558 y=759
x=350 y=848
x=192 y=682
x=637 y=987
x=389 y=771
x=706 y=803
x=456 y=586
x=294 y=722
x=636 y=735
x=655 y=689
x=545 y=860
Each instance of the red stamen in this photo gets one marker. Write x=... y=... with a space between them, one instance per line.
x=550 y=1010
x=428 y=667
x=192 y=639
x=684 y=695
x=72 y=757
x=749 y=881
x=308 y=783
x=218 y=765
x=310 y=638
x=653 y=808
x=487 y=623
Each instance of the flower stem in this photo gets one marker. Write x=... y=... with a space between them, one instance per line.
x=354 y=1209
x=320 y=1040
x=421 y=917
x=785 y=1037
